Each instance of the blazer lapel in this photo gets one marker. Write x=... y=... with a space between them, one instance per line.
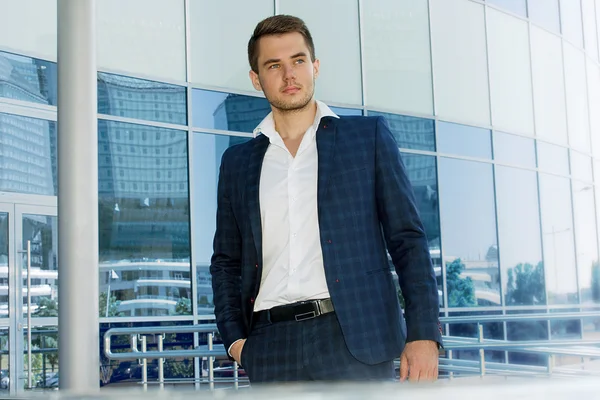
x=326 y=135
x=253 y=192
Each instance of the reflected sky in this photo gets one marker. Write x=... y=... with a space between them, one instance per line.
x=545 y=13
x=581 y=166
x=518 y=7
x=552 y=158
x=514 y=150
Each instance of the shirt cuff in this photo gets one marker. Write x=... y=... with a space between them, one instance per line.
x=229 y=349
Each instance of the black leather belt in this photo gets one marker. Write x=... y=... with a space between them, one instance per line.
x=295 y=312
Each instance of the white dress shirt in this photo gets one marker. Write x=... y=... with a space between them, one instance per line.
x=292 y=257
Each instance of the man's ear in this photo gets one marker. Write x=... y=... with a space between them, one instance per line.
x=316 y=67
x=255 y=81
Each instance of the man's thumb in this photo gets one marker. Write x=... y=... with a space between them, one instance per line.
x=403 y=368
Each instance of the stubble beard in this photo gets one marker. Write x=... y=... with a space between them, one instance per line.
x=286 y=107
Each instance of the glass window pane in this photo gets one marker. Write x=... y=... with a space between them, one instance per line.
x=577 y=105
x=28 y=79
x=491 y=331
x=545 y=13
x=591 y=326
x=144 y=220
x=219 y=46
x=586 y=242
x=557 y=236
x=29 y=26
x=565 y=330
x=460 y=68
x=527 y=330
x=510 y=73
x=570 y=16
x=227 y=111
x=548 y=86
x=518 y=7
x=4 y=277
x=142 y=99
x=589 y=28
x=593 y=76
x=464 y=140
x=44 y=360
x=552 y=158
x=207 y=151
x=396 y=55
x=410 y=132
x=469 y=233
x=581 y=166
x=42 y=232
x=519 y=237
x=144 y=37
x=422 y=172
x=346 y=111
x=337 y=43
x=31 y=139
x=516 y=150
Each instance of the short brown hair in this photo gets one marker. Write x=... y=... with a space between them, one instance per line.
x=278 y=25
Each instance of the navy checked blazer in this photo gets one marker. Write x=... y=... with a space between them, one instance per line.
x=365 y=205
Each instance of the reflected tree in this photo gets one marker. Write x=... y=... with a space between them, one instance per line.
x=461 y=291
x=183 y=306
x=525 y=285
x=47 y=307
x=113 y=307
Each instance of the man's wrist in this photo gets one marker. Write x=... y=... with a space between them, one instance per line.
x=231 y=347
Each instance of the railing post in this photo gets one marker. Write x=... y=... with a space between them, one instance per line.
x=551 y=361
x=144 y=365
x=481 y=352
x=161 y=370
x=236 y=379
x=211 y=360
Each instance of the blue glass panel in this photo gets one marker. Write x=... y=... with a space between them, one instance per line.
x=124 y=96
x=515 y=150
x=571 y=21
x=144 y=220
x=519 y=236
x=207 y=151
x=28 y=157
x=545 y=13
x=28 y=79
x=469 y=233
x=518 y=7
x=226 y=111
x=464 y=140
x=581 y=166
x=410 y=132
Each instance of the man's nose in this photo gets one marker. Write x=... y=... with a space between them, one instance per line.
x=289 y=73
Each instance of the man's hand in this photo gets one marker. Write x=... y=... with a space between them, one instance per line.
x=236 y=350
x=419 y=361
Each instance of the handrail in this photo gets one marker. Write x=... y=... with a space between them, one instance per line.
x=519 y=317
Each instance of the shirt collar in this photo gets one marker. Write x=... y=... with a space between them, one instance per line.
x=267 y=126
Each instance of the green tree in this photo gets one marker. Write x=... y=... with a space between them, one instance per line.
x=113 y=307
x=183 y=306
x=47 y=307
x=525 y=285
x=461 y=292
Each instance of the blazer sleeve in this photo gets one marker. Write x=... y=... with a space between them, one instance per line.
x=406 y=240
x=225 y=266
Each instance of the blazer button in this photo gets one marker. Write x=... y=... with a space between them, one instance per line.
x=252 y=300
x=329 y=241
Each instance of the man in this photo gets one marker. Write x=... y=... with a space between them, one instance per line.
x=301 y=279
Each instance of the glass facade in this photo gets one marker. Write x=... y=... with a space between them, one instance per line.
x=493 y=105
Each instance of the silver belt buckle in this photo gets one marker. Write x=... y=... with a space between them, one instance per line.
x=310 y=314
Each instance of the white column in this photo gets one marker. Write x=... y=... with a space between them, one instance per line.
x=78 y=327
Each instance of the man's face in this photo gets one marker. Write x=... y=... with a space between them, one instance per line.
x=286 y=74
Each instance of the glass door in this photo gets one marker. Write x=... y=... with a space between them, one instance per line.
x=28 y=298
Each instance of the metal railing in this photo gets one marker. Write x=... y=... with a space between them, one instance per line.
x=481 y=367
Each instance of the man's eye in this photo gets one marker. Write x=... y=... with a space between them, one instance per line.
x=300 y=61
x=273 y=66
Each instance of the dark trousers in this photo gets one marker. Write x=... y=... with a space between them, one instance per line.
x=310 y=350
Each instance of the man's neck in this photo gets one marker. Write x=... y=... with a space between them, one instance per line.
x=293 y=124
